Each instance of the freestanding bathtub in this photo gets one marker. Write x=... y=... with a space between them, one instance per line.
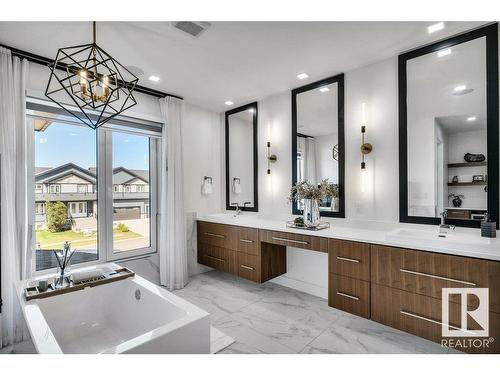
x=127 y=316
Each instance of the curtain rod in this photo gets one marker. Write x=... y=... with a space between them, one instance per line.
x=41 y=60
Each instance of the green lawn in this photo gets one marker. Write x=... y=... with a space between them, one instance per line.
x=49 y=240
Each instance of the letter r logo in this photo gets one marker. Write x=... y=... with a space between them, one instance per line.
x=480 y=314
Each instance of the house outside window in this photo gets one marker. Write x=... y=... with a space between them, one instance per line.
x=38 y=188
x=141 y=189
x=77 y=208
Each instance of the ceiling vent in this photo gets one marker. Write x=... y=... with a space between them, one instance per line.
x=192 y=28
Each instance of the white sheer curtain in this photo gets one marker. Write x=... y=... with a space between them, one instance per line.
x=14 y=228
x=173 y=241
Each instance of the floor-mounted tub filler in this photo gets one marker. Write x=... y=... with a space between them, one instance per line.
x=126 y=316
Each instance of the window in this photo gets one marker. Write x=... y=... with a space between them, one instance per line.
x=55 y=189
x=72 y=159
x=78 y=208
x=39 y=208
x=131 y=221
x=56 y=219
x=83 y=188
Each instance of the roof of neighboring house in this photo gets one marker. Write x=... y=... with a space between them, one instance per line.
x=48 y=174
x=64 y=170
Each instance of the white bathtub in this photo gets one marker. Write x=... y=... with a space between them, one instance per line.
x=110 y=319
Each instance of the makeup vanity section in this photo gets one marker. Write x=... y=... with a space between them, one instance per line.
x=391 y=283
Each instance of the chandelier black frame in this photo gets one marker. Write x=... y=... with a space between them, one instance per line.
x=93 y=81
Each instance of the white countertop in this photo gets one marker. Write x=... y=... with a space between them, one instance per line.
x=463 y=241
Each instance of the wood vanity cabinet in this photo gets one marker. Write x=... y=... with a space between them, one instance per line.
x=349 y=276
x=396 y=287
x=240 y=251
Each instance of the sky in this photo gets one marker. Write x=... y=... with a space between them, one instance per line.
x=62 y=143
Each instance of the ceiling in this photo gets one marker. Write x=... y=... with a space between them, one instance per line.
x=317 y=112
x=237 y=61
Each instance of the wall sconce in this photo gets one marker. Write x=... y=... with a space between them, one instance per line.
x=366 y=148
x=237 y=185
x=271 y=158
x=207 y=186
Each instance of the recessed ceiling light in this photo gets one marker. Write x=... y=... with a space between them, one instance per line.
x=444 y=52
x=302 y=76
x=472 y=118
x=324 y=89
x=460 y=88
x=154 y=78
x=228 y=102
x=436 y=27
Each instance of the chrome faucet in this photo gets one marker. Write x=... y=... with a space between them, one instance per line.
x=237 y=209
x=443 y=227
x=246 y=203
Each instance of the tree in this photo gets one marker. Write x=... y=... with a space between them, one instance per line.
x=57 y=216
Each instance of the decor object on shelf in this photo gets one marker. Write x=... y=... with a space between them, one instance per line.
x=92 y=81
x=454 y=180
x=488 y=228
x=271 y=158
x=468 y=157
x=63 y=260
x=478 y=178
x=321 y=225
x=311 y=195
x=457 y=199
x=207 y=186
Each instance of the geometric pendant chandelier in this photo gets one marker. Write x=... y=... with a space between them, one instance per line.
x=87 y=77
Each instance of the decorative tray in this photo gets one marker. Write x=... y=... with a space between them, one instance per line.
x=32 y=292
x=321 y=225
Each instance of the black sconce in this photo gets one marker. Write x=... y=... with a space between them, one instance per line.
x=271 y=158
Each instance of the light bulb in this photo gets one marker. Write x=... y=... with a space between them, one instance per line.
x=363 y=179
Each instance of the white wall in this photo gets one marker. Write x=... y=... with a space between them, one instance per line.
x=376 y=85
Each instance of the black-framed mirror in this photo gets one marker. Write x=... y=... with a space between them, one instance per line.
x=448 y=130
x=241 y=158
x=318 y=140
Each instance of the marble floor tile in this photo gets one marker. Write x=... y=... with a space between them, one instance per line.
x=248 y=340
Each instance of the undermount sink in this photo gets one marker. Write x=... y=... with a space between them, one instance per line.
x=435 y=238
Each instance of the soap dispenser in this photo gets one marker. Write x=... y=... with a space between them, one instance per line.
x=488 y=227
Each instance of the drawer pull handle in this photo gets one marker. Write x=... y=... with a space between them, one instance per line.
x=246 y=241
x=215 y=235
x=437 y=277
x=348 y=259
x=287 y=240
x=348 y=296
x=247 y=267
x=429 y=320
x=219 y=259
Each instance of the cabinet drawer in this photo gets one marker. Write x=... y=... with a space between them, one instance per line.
x=247 y=240
x=421 y=315
x=249 y=267
x=217 y=234
x=217 y=257
x=295 y=240
x=350 y=259
x=427 y=273
x=349 y=295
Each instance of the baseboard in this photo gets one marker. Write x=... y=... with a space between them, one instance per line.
x=302 y=286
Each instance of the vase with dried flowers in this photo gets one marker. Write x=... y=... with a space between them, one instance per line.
x=311 y=194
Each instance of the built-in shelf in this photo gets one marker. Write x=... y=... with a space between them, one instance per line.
x=468 y=183
x=471 y=164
